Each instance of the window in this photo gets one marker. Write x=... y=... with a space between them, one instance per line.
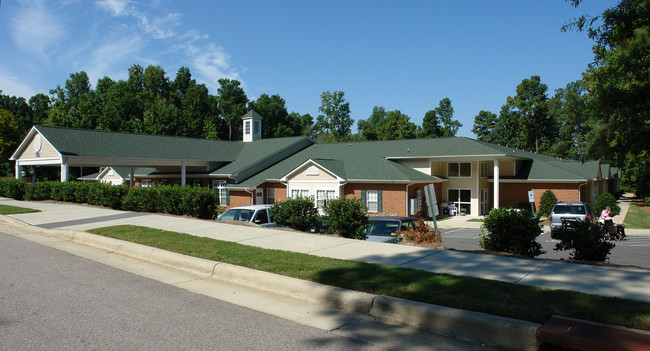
x=484 y=169
x=256 y=128
x=247 y=127
x=372 y=200
x=322 y=196
x=197 y=183
x=270 y=195
x=145 y=183
x=459 y=169
x=461 y=199
x=296 y=193
x=222 y=193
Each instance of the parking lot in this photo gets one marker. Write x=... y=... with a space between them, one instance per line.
x=633 y=251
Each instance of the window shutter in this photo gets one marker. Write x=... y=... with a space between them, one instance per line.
x=227 y=197
x=379 y=209
x=363 y=200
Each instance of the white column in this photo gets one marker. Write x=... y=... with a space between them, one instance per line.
x=132 y=178
x=182 y=173
x=19 y=170
x=65 y=170
x=496 y=184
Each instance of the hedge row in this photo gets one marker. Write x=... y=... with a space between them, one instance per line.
x=178 y=200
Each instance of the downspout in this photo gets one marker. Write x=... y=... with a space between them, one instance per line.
x=406 y=213
x=252 y=192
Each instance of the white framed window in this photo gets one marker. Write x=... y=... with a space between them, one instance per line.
x=296 y=193
x=219 y=187
x=372 y=200
x=145 y=183
x=459 y=169
x=247 y=127
x=461 y=199
x=484 y=169
x=270 y=195
x=322 y=196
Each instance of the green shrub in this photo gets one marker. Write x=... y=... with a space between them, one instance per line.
x=198 y=202
x=39 y=191
x=605 y=200
x=298 y=213
x=585 y=240
x=511 y=231
x=13 y=188
x=346 y=217
x=546 y=203
x=646 y=201
x=141 y=199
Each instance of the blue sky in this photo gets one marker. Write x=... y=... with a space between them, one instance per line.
x=404 y=55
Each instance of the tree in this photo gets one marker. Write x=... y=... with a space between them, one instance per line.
x=570 y=112
x=618 y=82
x=430 y=125
x=277 y=121
x=335 y=120
x=445 y=114
x=20 y=111
x=546 y=203
x=485 y=124
x=531 y=106
x=9 y=135
x=40 y=105
x=232 y=105
x=367 y=128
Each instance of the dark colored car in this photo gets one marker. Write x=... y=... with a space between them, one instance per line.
x=565 y=212
x=384 y=229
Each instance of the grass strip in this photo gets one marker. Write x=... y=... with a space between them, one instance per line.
x=636 y=218
x=9 y=210
x=493 y=297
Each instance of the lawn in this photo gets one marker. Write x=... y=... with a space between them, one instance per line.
x=492 y=297
x=637 y=218
x=8 y=210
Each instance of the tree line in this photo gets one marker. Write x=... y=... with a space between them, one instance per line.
x=149 y=102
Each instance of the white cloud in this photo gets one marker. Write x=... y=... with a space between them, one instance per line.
x=112 y=53
x=36 y=27
x=212 y=63
x=116 y=7
x=160 y=27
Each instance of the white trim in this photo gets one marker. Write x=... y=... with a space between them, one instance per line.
x=335 y=190
x=40 y=161
x=286 y=177
x=314 y=181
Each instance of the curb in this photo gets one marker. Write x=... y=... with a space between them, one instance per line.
x=495 y=331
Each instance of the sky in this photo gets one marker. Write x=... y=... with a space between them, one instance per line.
x=403 y=55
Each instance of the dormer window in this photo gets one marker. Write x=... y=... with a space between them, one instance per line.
x=256 y=127
x=247 y=128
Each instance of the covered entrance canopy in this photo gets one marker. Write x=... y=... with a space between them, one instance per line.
x=50 y=146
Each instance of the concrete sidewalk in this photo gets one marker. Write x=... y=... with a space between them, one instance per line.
x=606 y=281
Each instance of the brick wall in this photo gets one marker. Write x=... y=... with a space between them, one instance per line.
x=239 y=198
x=512 y=194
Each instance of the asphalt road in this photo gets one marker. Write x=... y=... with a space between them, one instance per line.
x=633 y=251
x=51 y=300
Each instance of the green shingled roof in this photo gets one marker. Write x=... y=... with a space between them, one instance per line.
x=95 y=143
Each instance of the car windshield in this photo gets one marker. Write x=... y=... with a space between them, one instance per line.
x=383 y=227
x=569 y=209
x=236 y=214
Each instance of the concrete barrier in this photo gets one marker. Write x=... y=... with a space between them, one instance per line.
x=501 y=332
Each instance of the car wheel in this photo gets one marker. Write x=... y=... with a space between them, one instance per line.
x=552 y=234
